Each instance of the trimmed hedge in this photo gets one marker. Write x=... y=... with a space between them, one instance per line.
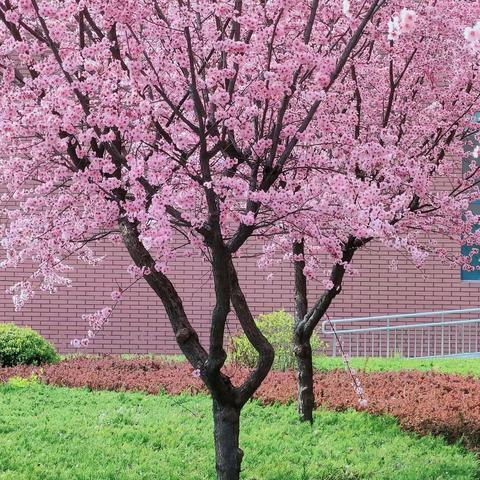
x=22 y=345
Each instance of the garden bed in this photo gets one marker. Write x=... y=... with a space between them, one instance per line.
x=424 y=402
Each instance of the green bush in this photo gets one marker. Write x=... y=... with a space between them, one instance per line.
x=277 y=327
x=22 y=382
x=22 y=345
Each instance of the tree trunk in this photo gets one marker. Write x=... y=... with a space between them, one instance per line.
x=306 y=396
x=226 y=432
x=301 y=340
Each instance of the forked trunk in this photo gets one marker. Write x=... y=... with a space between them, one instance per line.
x=226 y=432
x=306 y=396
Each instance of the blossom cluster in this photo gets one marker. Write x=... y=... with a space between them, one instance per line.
x=472 y=36
x=96 y=322
x=356 y=383
x=402 y=23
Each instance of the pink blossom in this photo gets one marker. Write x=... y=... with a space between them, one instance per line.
x=402 y=23
x=472 y=36
x=116 y=295
x=363 y=402
x=328 y=284
x=248 y=219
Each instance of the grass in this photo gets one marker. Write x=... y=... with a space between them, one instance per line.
x=131 y=356
x=461 y=366
x=51 y=433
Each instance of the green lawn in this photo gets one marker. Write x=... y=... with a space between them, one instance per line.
x=462 y=366
x=51 y=433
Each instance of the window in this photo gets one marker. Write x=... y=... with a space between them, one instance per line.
x=475 y=208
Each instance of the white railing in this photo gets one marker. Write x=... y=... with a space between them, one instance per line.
x=447 y=333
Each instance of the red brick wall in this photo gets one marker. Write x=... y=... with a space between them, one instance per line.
x=139 y=325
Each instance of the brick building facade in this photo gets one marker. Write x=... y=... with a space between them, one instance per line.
x=139 y=324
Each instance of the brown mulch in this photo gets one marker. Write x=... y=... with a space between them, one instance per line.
x=424 y=402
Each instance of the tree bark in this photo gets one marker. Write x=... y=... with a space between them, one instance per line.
x=228 y=454
x=306 y=320
x=301 y=342
x=306 y=396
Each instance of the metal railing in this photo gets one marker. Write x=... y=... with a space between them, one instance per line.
x=447 y=333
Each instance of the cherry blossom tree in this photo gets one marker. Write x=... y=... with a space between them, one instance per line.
x=219 y=122
x=384 y=162
x=137 y=122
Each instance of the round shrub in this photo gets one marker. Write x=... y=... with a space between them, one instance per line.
x=277 y=327
x=22 y=345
